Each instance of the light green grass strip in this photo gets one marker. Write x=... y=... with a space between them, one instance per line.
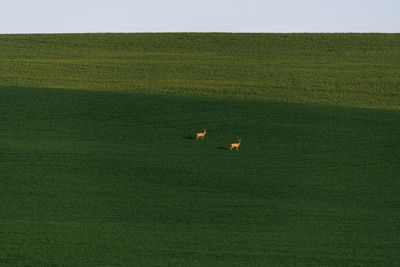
x=361 y=70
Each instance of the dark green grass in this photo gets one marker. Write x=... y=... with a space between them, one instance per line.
x=103 y=178
x=343 y=69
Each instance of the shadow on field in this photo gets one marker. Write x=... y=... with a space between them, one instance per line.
x=221 y=148
x=189 y=137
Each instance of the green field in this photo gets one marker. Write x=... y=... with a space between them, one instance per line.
x=342 y=69
x=107 y=172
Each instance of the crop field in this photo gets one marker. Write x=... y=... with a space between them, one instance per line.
x=343 y=69
x=99 y=164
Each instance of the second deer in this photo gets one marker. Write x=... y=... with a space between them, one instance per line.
x=235 y=145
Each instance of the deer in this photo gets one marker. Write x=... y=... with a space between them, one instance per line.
x=201 y=134
x=235 y=145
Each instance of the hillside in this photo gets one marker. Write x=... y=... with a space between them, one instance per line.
x=99 y=166
x=105 y=178
x=343 y=69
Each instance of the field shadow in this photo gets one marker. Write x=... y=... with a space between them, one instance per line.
x=189 y=137
x=221 y=148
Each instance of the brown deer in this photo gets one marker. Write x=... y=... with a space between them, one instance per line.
x=201 y=134
x=235 y=145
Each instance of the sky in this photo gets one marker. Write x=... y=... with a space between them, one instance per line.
x=81 y=16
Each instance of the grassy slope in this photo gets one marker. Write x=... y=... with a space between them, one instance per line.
x=344 y=69
x=91 y=177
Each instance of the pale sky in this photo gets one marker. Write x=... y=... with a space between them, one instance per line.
x=62 y=16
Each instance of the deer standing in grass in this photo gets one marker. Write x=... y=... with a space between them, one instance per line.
x=235 y=145
x=201 y=134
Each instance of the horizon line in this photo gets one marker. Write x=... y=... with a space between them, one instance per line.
x=199 y=32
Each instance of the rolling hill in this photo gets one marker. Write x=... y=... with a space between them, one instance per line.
x=99 y=166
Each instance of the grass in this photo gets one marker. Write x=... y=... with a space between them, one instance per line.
x=109 y=173
x=115 y=178
x=360 y=70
